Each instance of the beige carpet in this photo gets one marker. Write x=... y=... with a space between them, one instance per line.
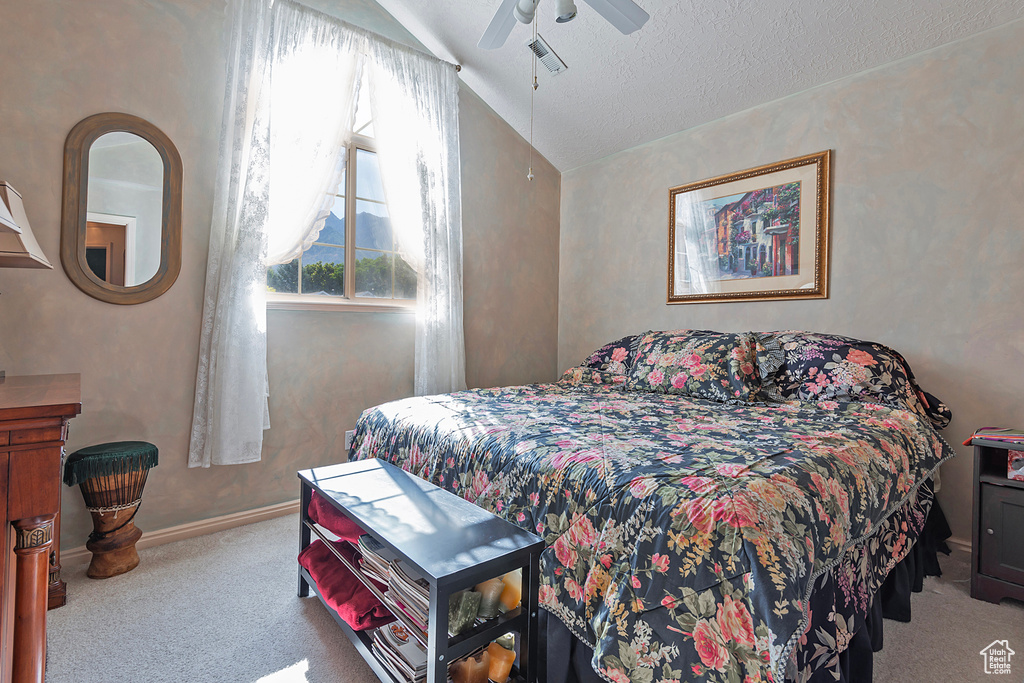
x=223 y=608
x=948 y=630
x=219 y=608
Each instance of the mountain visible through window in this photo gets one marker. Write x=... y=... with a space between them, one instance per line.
x=367 y=247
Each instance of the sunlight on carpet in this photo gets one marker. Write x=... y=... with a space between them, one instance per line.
x=296 y=673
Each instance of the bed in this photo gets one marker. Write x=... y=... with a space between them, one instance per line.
x=716 y=506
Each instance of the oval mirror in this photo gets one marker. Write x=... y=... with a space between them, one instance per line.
x=121 y=220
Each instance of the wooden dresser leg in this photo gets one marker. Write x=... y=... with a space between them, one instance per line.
x=57 y=594
x=58 y=590
x=32 y=558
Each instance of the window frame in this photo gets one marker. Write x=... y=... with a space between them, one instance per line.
x=347 y=301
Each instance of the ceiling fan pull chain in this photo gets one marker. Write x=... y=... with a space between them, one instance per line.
x=529 y=175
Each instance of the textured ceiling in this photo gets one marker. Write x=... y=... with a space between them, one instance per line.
x=694 y=61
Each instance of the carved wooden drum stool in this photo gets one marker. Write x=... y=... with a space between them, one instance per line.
x=112 y=476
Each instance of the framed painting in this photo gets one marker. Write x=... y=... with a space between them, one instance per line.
x=754 y=235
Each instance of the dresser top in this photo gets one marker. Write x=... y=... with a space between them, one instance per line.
x=48 y=394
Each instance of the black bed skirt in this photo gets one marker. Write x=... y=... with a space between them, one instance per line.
x=567 y=660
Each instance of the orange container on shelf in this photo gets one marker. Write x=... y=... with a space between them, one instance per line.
x=471 y=669
x=503 y=655
x=512 y=594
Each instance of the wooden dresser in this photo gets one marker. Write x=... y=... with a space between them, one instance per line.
x=34 y=414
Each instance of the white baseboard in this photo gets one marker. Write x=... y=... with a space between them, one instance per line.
x=960 y=544
x=192 y=529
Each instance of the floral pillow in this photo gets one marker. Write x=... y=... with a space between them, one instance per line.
x=578 y=376
x=616 y=357
x=720 y=366
x=808 y=366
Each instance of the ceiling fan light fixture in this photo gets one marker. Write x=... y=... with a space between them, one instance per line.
x=525 y=10
x=565 y=11
x=625 y=15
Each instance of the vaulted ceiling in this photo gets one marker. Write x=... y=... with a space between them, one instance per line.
x=693 y=62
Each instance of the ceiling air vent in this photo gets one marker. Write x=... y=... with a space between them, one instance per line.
x=546 y=55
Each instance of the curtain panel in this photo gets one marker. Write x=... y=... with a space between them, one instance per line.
x=415 y=102
x=280 y=161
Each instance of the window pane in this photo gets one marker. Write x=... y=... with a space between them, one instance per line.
x=373 y=227
x=334 y=227
x=405 y=279
x=368 y=182
x=283 y=277
x=323 y=270
x=373 y=274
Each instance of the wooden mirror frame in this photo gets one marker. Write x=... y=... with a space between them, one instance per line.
x=75 y=201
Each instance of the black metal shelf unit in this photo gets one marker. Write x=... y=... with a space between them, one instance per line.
x=450 y=542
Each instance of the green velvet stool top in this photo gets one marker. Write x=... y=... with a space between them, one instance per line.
x=112 y=477
x=116 y=458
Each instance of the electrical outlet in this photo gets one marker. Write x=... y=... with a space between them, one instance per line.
x=349 y=435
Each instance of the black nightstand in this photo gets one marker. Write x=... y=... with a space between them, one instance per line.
x=997 y=563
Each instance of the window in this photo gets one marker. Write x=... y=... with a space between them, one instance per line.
x=355 y=258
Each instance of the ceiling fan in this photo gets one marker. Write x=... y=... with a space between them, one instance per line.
x=624 y=15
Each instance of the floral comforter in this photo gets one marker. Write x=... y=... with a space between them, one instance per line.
x=684 y=536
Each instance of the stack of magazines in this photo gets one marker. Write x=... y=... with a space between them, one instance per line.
x=372 y=563
x=1006 y=434
x=400 y=654
x=408 y=595
x=404 y=595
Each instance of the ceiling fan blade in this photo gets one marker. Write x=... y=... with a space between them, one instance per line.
x=624 y=15
x=500 y=27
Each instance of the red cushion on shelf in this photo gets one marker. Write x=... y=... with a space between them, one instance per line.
x=342 y=591
x=326 y=515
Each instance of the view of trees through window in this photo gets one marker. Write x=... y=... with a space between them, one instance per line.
x=322 y=278
x=370 y=250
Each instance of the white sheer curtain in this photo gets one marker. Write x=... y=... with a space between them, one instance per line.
x=312 y=86
x=287 y=110
x=415 y=105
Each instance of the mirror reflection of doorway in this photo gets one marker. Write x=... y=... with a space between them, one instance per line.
x=110 y=245
x=105 y=247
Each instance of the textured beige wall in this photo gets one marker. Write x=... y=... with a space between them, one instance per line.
x=163 y=60
x=927 y=239
x=510 y=235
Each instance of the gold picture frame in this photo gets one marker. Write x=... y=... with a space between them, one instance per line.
x=755 y=235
